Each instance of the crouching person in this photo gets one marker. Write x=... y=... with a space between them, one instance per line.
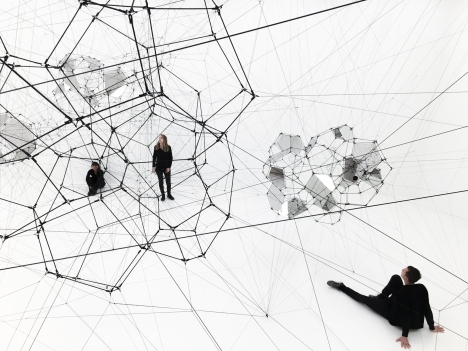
x=95 y=179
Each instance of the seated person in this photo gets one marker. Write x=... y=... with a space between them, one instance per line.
x=402 y=303
x=95 y=179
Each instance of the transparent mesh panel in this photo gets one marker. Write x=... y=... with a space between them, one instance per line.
x=17 y=134
x=3 y=118
x=275 y=197
x=277 y=156
x=362 y=150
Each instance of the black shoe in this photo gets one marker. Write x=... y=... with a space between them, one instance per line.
x=333 y=284
x=163 y=197
x=170 y=197
x=91 y=192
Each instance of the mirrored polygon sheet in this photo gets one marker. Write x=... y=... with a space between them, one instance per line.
x=70 y=79
x=368 y=155
x=92 y=63
x=327 y=203
x=321 y=193
x=292 y=143
x=374 y=179
x=113 y=79
x=311 y=144
x=343 y=132
x=277 y=156
x=350 y=168
x=295 y=207
x=276 y=175
x=363 y=150
x=316 y=188
x=372 y=161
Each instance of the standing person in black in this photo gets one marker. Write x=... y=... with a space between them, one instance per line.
x=95 y=178
x=403 y=305
x=162 y=162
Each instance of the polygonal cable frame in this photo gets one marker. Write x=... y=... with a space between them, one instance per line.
x=111 y=109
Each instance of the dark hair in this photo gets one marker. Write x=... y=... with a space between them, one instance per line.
x=94 y=163
x=413 y=274
x=355 y=178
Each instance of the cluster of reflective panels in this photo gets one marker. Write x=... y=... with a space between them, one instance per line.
x=334 y=171
x=83 y=79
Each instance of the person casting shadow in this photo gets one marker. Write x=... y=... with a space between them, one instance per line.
x=162 y=162
x=95 y=179
x=404 y=305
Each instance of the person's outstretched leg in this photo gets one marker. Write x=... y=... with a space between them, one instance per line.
x=168 y=185
x=377 y=305
x=161 y=185
x=392 y=286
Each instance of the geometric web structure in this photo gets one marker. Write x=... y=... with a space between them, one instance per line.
x=255 y=98
x=112 y=110
x=334 y=171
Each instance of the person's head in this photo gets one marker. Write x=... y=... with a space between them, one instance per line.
x=410 y=275
x=95 y=166
x=162 y=143
x=355 y=178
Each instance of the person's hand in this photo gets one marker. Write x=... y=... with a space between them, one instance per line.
x=90 y=187
x=438 y=329
x=168 y=170
x=154 y=169
x=404 y=342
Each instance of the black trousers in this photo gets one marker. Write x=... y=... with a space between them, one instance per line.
x=95 y=186
x=168 y=181
x=382 y=304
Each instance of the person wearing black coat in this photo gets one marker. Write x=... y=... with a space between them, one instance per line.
x=162 y=162
x=404 y=304
x=95 y=179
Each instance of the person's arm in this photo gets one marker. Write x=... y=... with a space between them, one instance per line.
x=88 y=179
x=405 y=311
x=154 y=160
x=428 y=311
x=170 y=158
x=405 y=315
